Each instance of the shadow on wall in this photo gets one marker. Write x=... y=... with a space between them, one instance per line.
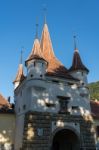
x=7 y=128
x=5 y=140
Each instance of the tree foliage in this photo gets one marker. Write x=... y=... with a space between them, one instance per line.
x=94 y=90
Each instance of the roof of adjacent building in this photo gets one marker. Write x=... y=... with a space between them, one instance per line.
x=3 y=101
x=77 y=63
x=5 y=106
x=95 y=109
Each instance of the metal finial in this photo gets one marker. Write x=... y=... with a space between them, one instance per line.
x=21 y=58
x=75 y=45
x=45 y=12
x=36 y=36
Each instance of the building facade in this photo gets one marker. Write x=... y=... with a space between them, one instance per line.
x=7 y=125
x=52 y=102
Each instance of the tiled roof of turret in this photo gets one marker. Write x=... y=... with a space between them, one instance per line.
x=5 y=106
x=36 y=51
x=77 y=63
x=20 y=75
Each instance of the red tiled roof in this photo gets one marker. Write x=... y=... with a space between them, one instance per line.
x=36 y=51
x=77 y=63
x=20 y=75
x=3 y=101
x=95 y=109
x=5 y=106
x=55 y=67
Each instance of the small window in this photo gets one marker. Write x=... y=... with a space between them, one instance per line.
x=31 y=75
x=83 y=83
x=42 y=64
x=55 y=81
x=50 y=104
x=82 y=73
x=24 y=107
x=41 y=75
x=84 y=94
x=21 y=93
x=19 y=109
x=34 y=64
x=97 y=131
x=75 y=107
x=63 y=104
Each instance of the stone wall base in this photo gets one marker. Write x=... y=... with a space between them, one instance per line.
x=38 y=132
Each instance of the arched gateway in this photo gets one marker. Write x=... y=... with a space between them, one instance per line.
x=65 y=139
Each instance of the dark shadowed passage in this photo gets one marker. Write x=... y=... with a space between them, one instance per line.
x=65 y=140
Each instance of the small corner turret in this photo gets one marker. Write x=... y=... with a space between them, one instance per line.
x=36 y=64
x=78 y=69
x=20 y=74
x=19 y=77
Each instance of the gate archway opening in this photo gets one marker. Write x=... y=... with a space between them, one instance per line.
x=65 y=139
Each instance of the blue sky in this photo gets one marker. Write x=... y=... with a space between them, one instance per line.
x=64 y=18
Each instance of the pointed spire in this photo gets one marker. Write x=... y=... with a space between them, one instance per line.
x=46 y=44
x=3 y=101
x=77 y=63
x=20 y=73
x=36 y=50
x=55 y=67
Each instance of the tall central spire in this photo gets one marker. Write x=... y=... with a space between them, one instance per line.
x=55 y=67
x=46 y=44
